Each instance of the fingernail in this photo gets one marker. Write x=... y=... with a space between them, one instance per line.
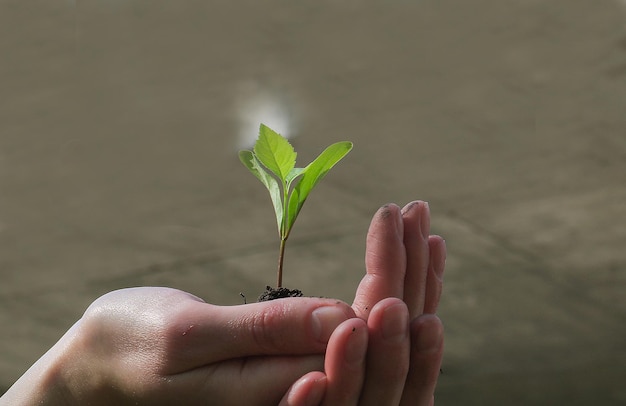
x=409 y=206
x=428 y=339
x=395 y=322
x=386 y=211
x=325 y=321
x=425 y=220
x=356 y=348
x=399 y=225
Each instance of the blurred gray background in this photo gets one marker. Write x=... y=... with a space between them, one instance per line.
x=120 y=122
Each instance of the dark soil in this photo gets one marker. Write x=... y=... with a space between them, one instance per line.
x=271 y=293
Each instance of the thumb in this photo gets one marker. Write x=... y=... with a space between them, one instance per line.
x=287 y=326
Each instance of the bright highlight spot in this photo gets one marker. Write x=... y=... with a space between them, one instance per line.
x=255 y=106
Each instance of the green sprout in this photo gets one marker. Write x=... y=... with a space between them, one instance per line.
x=273 y=161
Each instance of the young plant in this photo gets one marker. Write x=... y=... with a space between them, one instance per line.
x=273 y=161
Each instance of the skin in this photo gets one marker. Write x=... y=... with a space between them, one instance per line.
x=396 y=301
x=157 y=346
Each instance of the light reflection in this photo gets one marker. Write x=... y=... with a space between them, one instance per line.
x=255 y=105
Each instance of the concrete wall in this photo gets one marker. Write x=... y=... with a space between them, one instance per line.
x=120 y=122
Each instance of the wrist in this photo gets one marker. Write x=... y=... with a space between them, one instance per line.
x=44 y=382
x=65 y=375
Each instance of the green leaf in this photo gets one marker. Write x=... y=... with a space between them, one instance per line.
x=311 y=175
x=252 y=163
x=293 y=208
x=275 y=152
x=293 y=174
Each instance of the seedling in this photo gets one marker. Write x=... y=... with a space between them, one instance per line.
x=273 y=161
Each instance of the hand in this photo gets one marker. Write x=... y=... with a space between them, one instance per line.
x=403 y=261
x=383 y=359
x=159 y=346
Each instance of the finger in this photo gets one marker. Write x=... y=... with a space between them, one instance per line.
x=204 y=334
x=306 y=391
x=251 y=381
x=426 y=355
x=385 y=261
x=434 y=279
x=387 y=353
x=416 y=218
x=345 y=363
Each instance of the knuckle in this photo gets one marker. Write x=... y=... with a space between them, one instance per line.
x=266 y=328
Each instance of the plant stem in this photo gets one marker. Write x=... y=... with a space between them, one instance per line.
x=281 y=256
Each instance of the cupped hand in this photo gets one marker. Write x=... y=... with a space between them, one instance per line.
x=402 y=260
x=390 y=354
x=161 y=346
x=405 y=262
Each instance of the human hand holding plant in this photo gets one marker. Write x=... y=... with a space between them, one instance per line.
x=157 y=345
x=160 y=346
x=273 y=161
